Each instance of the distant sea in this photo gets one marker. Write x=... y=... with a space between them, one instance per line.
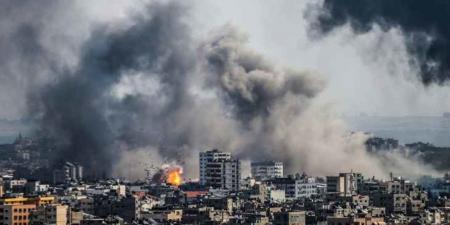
x=407 y=129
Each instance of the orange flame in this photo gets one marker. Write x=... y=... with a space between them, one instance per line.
x=174 y=176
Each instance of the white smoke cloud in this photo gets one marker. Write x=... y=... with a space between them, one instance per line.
x=234 y=94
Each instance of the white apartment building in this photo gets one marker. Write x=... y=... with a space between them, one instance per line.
x=220 y=170
x=266 y=170
x=210 y=156
x=305 y=190
x=298 y=188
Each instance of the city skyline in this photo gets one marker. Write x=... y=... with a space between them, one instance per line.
x=295 y=112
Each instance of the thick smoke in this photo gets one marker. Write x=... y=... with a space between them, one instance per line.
x=147 y=86
x=24 y=60
x=79 y=109
x=424 y=22
x=249 y=82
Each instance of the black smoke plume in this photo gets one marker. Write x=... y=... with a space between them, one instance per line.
x=78 y=108
x=424 y=22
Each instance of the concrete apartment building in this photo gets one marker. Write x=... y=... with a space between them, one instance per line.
x=220 y=170
x=17 y=210
x=266 y=170
x=306 y=190
x=55 y=214
x=68 y=173
x=361 y=200
x=399 y=186
x=345 y=184
x=15 y=214
x=172 y=215
x=297 y=188
x=223 y=174
x=210 y=156
x=127 y=207
x=290 y=218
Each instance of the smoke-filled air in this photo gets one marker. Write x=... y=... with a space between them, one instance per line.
x=144 y=84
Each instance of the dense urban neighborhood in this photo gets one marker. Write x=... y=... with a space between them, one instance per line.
x=220 y=196
x=196 y=112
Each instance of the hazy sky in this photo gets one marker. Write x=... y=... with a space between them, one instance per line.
x=367 y=73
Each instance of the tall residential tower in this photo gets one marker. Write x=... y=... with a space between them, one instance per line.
x=220 y=170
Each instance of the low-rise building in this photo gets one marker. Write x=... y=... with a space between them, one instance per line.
x=289 y=218
x=266 y=170
x=361 y=200
x=164 y=215
x=55 y=214
x=17 y=210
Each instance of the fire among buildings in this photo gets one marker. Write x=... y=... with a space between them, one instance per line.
x=174 y=176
